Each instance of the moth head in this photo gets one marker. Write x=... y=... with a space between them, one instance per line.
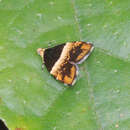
x=40 y=52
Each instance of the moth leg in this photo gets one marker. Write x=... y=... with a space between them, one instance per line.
x=42 y=66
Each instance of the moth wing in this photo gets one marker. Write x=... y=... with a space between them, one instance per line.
x=80 y=51
x=67 y=73
x=51 y=55
x=61 y=60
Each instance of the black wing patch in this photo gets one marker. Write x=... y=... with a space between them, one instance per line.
x=51 y=55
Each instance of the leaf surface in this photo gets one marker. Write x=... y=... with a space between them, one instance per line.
x=31 y=99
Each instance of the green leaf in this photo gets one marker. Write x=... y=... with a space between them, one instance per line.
x=31 y=99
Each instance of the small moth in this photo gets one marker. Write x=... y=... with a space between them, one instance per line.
x=62 y=60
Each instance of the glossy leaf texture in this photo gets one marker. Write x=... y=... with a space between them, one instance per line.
x=31 y=99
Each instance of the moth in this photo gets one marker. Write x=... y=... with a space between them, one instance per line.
x=62 y=60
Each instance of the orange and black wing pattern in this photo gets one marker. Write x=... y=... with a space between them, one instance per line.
x=61 y=61
x=79 y=51
x=65 y=73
